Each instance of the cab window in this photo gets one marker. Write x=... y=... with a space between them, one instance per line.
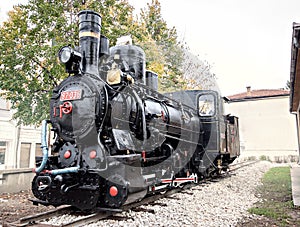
x=206 y=105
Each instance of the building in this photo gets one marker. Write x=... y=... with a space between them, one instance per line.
x=18 y=147
x=267 y=129
x=295 y=77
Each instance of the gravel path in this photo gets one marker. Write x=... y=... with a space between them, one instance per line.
x=222 y=203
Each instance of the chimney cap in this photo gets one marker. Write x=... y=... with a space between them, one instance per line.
x=248 y=90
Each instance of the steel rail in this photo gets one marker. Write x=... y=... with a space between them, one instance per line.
x=32 y=220
x=102 y=215
x=240 y=165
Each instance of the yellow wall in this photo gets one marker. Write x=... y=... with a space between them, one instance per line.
x=266 y=127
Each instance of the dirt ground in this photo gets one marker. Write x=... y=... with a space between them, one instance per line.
x=293 y=221
x=13 y=206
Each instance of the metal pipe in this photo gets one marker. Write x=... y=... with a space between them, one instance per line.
x=44 y=147
x=298 y=135
x=63 y=171
x=140 y=103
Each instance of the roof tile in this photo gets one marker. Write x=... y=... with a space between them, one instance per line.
x=263 y=93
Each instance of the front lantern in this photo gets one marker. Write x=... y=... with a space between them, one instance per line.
x=64 y=54
x=70 y=58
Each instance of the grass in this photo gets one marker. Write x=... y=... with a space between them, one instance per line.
x=264 y=158
x=276 y=198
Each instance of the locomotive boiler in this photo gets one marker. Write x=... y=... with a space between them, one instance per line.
x=117 y=139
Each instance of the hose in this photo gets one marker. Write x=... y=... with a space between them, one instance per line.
x=44 y=147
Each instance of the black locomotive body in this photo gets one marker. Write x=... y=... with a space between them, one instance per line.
x=119 y=139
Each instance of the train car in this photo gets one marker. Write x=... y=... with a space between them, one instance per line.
x=117 y=139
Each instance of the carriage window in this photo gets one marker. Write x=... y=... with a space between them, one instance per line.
x=206 y=105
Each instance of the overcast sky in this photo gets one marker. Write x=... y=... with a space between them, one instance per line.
x=247 y=42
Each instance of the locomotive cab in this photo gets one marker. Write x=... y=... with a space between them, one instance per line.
x=221 y=135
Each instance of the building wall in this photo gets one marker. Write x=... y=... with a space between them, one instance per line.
x=18 y=148
x=18 y=142
x=298 y=122
x=266 y=127
x=295 y=76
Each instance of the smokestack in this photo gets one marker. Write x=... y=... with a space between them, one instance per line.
x=89 y=40
x=248 y=90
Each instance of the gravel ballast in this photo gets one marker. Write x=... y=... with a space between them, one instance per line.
x=221 y=203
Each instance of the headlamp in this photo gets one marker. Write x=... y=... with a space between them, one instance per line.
x=65 y=54
x=70 y=58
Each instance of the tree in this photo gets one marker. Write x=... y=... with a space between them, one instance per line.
x=27 y=62
x=30 y=40
x=33 y=34
x=164 y=53
x=197 y=73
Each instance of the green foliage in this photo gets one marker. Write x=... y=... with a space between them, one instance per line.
x=264 y=158
x=31 y=38
x=28 y=61
x=117 y=18
x=33 y=34
x=164 y=53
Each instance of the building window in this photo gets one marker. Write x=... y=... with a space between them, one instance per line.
x=3 y=147
x=38 y=150
x=4 y=104
x=25 y=155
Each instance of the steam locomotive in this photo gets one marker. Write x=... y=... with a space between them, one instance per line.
x=117 y=139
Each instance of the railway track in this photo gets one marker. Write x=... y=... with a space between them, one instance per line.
x=81 y=219
x=236 y=166
x=36 y=218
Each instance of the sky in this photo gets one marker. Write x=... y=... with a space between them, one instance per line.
x=248 y=43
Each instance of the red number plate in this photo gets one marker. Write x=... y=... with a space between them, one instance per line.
x=70 y=95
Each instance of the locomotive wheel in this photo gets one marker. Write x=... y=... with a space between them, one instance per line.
x=116 y=191
x=34 y=188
